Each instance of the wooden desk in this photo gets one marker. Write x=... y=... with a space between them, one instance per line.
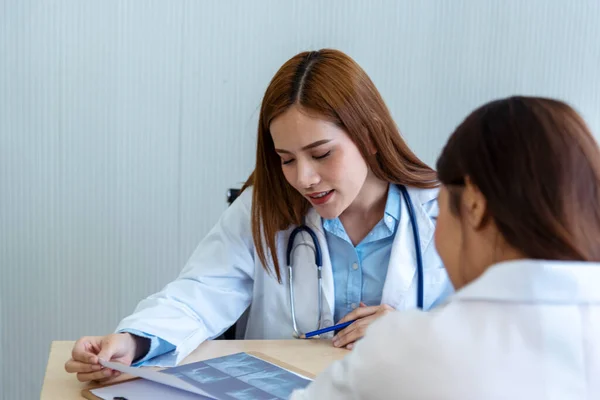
x=310 y=355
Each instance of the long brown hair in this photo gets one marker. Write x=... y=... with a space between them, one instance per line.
x=538 y=166
x=331 y=84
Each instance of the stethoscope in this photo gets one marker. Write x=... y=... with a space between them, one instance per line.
x=319 y=262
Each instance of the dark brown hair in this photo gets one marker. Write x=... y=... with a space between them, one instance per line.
x=538 y=166
x=331 y=84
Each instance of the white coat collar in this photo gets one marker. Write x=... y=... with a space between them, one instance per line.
x=313 y=221
x=422 y=196
x=529 y=281
x=424 y=217
x=403 y=259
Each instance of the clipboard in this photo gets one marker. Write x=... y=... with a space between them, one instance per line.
x=86 y=393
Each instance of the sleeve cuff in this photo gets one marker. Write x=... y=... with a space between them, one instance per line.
x=158 y=346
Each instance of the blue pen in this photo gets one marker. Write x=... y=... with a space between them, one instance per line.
x=325 y=330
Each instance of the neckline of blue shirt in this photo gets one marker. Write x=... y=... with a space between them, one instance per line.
x=391 y=216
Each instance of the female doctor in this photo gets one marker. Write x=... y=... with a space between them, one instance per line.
x=519 y=232
x=329 y=158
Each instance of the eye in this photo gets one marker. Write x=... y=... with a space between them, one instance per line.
x=286 y=162
x=322 y=156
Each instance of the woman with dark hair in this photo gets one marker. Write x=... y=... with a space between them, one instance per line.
x=519 y=234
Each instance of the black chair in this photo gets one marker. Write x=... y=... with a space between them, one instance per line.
x=229 y=334
x=232 y=194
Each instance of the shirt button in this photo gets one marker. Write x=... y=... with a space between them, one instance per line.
x=355 y=266
x=353 y=306
x=388 y=219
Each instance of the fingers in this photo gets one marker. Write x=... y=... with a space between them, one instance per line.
x=352 y=333
x=356 y=330
x=89 y=350
x=84 y=350
x=99 y=376
x=73 y=366
x=386 y=308
x=360 y=312
x=108 y=347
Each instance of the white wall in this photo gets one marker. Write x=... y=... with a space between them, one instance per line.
x=122 y=123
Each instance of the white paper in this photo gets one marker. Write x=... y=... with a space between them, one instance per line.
x=155 y=376
x=141 y=389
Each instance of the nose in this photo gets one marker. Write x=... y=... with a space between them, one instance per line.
x=307 y=176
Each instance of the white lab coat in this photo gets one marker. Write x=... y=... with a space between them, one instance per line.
x=524 y=330
x=224 y=277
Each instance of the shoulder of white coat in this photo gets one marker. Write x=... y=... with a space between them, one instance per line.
x=401 y=348
x=237 y=217
x=245 y=197
x=427 y=198
x=411 y=325
x=242 y=205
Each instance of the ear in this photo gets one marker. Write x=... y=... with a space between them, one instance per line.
x=372 y=149
x=369 y=143
x=474 y=205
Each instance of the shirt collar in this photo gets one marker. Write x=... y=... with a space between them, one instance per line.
x=391 y=214
x=392 y=207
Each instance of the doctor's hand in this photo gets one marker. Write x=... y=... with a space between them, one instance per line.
x=87 y=352
x=364 y=316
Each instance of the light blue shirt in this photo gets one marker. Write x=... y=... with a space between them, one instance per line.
x=158 y=346
x=359 y=272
